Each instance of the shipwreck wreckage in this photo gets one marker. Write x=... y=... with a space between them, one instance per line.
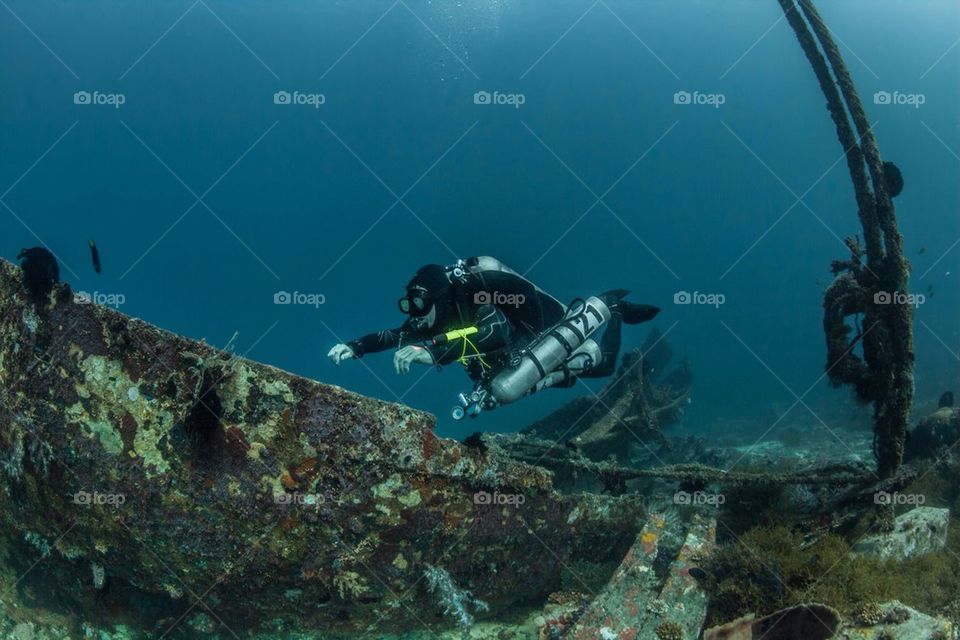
x=154 y=475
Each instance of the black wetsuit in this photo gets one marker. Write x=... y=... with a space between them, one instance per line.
x=508 y=311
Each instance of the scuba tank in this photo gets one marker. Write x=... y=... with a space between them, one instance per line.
x=587 y=356
x=551 y=350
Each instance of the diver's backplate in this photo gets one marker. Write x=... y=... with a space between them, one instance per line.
x=552 y=357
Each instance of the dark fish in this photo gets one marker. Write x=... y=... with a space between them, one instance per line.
x=474 y=441
x=893 y=178
x=697 y=574
x=922 y=251
x=40 y=272
x=946 y=400
x=930 y=291
x=95 y=256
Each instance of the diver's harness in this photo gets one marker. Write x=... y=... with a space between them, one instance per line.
x=551 y=358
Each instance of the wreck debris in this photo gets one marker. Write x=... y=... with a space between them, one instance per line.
x=802 y=622
x=934 y=434
x=873 y=282
x=895 y=620
x=635 y=604
x=644 y=397
x=915 y=533
x=623 y=600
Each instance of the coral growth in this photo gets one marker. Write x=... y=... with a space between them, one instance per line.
x=454 y=600
x=669 y=630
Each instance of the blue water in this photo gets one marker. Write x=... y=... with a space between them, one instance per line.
x=296 y=198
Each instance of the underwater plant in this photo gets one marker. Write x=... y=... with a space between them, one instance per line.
x=454 y=600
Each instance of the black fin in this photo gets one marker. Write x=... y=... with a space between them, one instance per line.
x=634 y=313
x=613 y=296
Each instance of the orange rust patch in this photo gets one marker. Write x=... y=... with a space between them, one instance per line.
x=430 y=443
x=305 y=470
x=287 y=481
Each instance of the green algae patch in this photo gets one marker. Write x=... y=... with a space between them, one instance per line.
x=393 y=489
x=108 y=388
x=110 y=440
x=145 y=445
x=392 y=496
x=768 y=569
x=240 y=389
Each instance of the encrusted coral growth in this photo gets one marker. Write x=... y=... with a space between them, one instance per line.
x=38 y=542
x=350 y=585
x=869 y=614
x=669 y=630
x=454 y=600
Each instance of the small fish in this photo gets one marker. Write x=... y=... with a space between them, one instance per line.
x=922 y=251
x=946 y=400
x=930 y=291
x=95 y=256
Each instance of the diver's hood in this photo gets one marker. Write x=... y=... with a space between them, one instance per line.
x=432 y=279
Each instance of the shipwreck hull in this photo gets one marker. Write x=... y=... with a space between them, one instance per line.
x=157 y=476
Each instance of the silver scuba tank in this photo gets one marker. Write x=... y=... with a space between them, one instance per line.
x=550 y=350
x=587 y=356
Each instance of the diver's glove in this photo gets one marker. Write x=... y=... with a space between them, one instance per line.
x=339 y=353
x=409 y=354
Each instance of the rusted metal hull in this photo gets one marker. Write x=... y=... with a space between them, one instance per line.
x=202 y=481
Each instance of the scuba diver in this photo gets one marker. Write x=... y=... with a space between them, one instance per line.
x=512 y=337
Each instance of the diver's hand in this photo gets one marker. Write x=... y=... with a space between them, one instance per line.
x=408 y=354
x=339 y=353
